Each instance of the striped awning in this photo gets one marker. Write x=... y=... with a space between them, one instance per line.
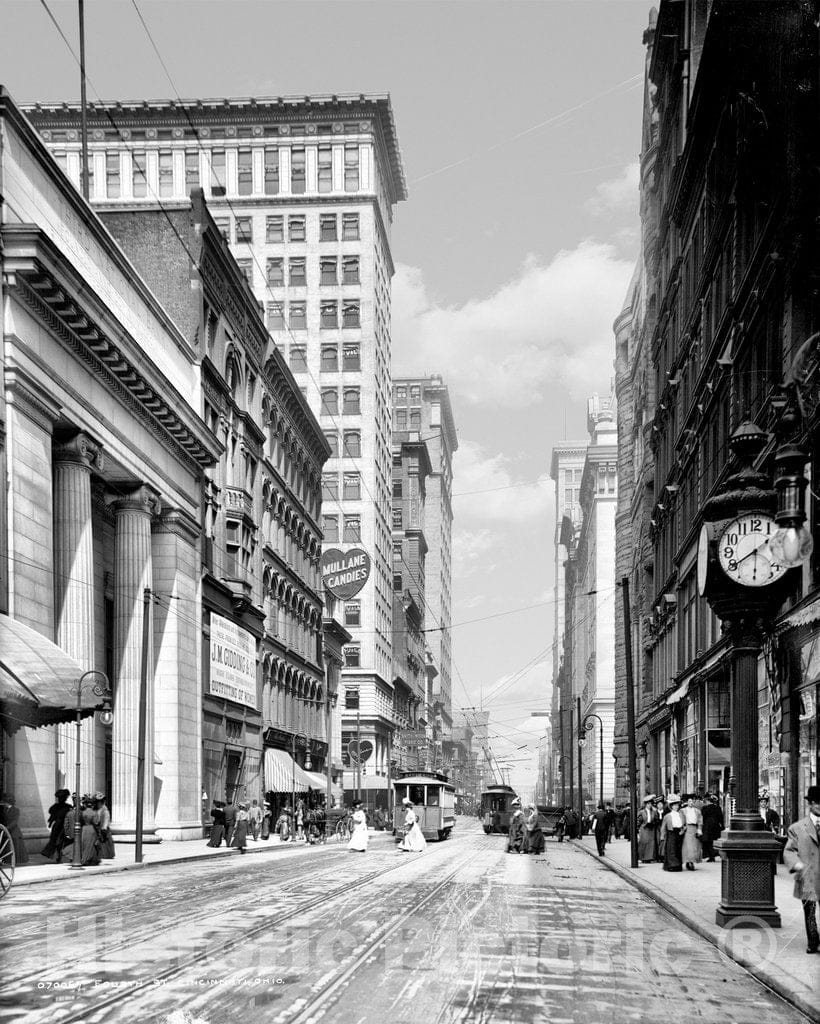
x=283 y=774
x=319 y=781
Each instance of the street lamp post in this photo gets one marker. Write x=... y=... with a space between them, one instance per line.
x=308 y=766
x=562 y=760
x=106 y=717
x=587 y=726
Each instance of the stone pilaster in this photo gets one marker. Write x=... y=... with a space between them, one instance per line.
x=132 y=576
x=73 y=463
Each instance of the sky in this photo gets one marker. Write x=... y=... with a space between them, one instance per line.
x=519 y=127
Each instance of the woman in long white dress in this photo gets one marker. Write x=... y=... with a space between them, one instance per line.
x=358 y=840
x=414 y=841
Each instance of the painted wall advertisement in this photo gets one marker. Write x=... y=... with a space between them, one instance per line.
x=233 y=662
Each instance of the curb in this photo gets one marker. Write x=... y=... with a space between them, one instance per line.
x=786 y=990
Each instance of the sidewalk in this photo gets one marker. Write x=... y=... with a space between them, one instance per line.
x=775 y=956
x=39 y=869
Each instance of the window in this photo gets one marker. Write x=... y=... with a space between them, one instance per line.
x=353 y=654
x=352 y=487
x=297 y=316
x=353 y=528
x=330 y=359
x=274 y=229
x=352 y=402
x=166 y=172
x=329 y=315
x=330 y=401
x=325 y=169
x=296 y=229
x=112 y=175
x=350 y=270
x=401 y=419
x=415 y=419
x=415 y=393
x=397 y=553
x=328 y=271
x=296 y=272
x=330 y=528
x=401 y=393
x=276 y=316
x=244 y=172
x=351 y=167
x=332 y=439
x=139 y=182
x=328 y=231
x=191 y=169
x=398 y=487
x=272 y=173
x=350 y=227
x=351 y=314
x=351 y=357
x=353 y=443
x=298 y=359
x=246 y=266
x=297 y=170
x=224 y=226
x=351 y=704
x=217 y=172
x=244 y=229
x=276 y=271
x=353 y=613
x=398 y=582
x=398 y=519
x=330 y=486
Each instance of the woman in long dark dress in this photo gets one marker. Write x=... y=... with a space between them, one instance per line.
x=107 y=850
x=240 y=830
x=515 y=839
x=672 y=831
x=534 y=836
x=266 y=816
x=218 y=826
x=56 y=821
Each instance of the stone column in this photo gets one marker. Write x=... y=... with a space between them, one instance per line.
x=74 y=590
x=132 y=575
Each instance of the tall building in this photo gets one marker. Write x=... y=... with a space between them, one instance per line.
x=304 y=191
x=423 y=404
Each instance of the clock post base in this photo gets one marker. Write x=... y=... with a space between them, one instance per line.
x=748 y=865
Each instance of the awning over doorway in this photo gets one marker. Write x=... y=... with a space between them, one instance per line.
x=38 y=680
x=319 y=781
x=283 y=774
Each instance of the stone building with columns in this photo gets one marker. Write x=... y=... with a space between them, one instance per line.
x=264 y=693
x=104 y=454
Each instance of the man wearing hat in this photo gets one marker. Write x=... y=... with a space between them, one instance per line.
x=802 y=856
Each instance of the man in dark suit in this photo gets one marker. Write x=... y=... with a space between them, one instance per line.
x=230 y=822
x=770 y=818
x=712 y=826
x=802 y=856
x=600 y=828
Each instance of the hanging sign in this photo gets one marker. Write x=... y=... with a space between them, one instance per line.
x=344 y=573
x=359 y=751
x=233 y=662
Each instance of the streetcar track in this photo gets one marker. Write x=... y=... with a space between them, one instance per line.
x=224 y=946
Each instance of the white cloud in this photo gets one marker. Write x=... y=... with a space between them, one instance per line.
x=469 y=550
x=547 y=330
x=486 y=488
x=617 y=197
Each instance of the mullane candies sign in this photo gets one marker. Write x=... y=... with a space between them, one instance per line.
x=344 y=573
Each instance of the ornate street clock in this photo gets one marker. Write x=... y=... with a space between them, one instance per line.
x=744 y=551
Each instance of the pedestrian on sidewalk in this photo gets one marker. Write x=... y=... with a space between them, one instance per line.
x=802 y=857
x=571 y=823
x=771 y=819
x=661 y=807
x=691 y=849
x=610 y=821
x=218 y=824
x=230 y=821
x=561 y=826
x=671 y=835
x=283 y=824
x=240 y=829
x=600 y=828
x=358 y=839
x=648 y=824
x=712 y=826
x=515 y=835
x=255 y=813
x=300 y=818
x=104 y=827
x=265 y=826
x=56 y=820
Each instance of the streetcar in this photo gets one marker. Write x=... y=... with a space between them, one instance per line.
x=496 y=808
x=433 y=798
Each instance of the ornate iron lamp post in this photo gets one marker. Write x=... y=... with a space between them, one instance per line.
x=752 y=535
x=106 y=717
x=588 y=726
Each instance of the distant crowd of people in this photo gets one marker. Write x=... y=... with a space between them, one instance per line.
x=233 y=824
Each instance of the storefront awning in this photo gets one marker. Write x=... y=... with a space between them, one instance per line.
x=678 y=694
x=283 y=774
x=38 y=680
x=319 y=781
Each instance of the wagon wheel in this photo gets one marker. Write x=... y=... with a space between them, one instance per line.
x=7 y=861
x=341 y=830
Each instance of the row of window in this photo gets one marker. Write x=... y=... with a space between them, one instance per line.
x=351 y=529
x=332 y=271
x=293 y=228
x=401 y=392
x=351 y=486
x=352 y=446
x=351 y=401
x=351 y=358
x=296 y=313
x=401 y=421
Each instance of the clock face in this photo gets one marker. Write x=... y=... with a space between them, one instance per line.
x=703 y=558
x=744 y=553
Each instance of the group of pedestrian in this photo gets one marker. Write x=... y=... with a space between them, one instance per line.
x=678 y=831
x=96 y=841
x=233 y=823
x=525 y=833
